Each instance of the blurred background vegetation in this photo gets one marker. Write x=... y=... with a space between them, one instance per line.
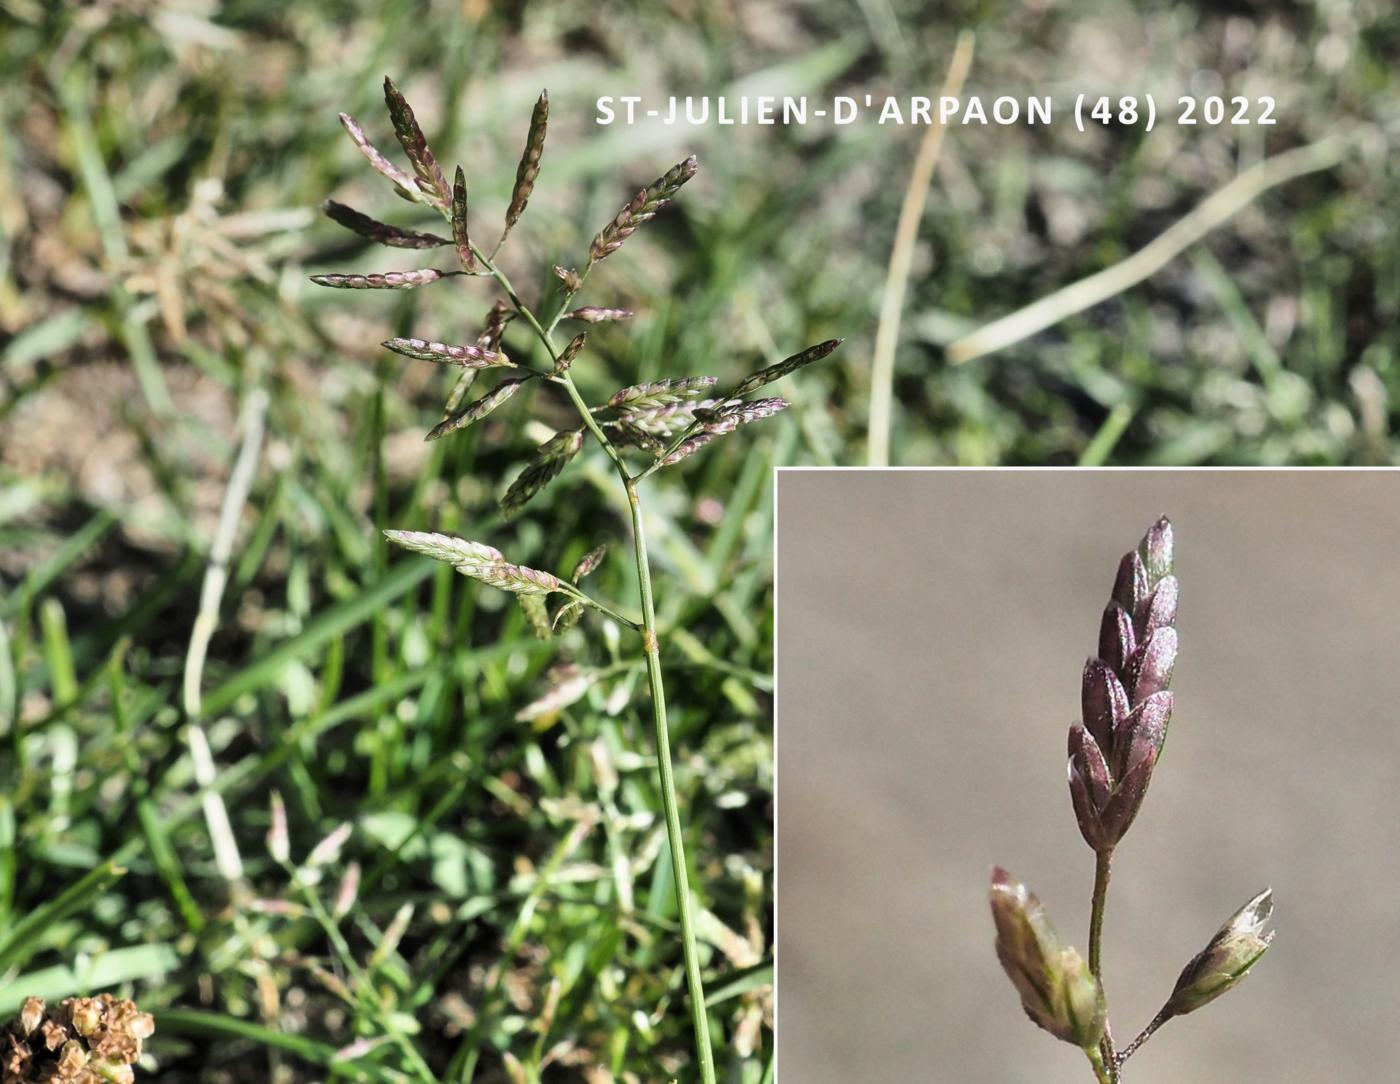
x=161 y=168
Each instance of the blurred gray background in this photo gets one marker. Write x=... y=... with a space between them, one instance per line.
x=931 y=630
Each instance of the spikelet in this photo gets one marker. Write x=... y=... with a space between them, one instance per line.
x=567 y=355
x=754 y=381
x=569 y=278
x=444 y=547
x=660 y=392
x=688 y=448
x=476 y=409
x=469 y=357
x=729 y=416
x=536 y=611
x=640 y=208
x=460 y=239
x=594 y=315
x=529 y=168
x=403 y=183
x=551 y=458
x=382 y=232
x=430 y=179
x=389 y=280
x=516 y=578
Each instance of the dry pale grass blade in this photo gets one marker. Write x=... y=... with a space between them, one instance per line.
x=1214 y=211
x=430 y=177
x=529 y=168
x=389 y=280
x=460 y=238
x=403 y=183
x=470 y=357
x=906 y=232
x=591 y=314
x=381 y=232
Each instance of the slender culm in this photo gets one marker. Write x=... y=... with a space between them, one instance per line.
x=639 y=429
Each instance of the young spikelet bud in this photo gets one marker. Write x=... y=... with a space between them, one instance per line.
x=347 y=892
x=430 y=179
x=469 y=357
x=566 y=357
x=1057 y=990
x=1220 y=966
x=497 y=318
x=389 y=280
x=328 y=850
x=393 y=934
x=569 y=278
x=381 y=232
x=460 y=238
x=529 y=168
x=444 y=547
x=403 y=184
x=476 y=409
x=640 y=208
x=536 y=611
x=78 y=1041
x=1125 y=704
x=589 y=562
x=551 y=457
x=594 y=315
x=812 y=354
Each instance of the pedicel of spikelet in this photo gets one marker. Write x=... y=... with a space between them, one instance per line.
x=470 y=357
x=594 y=315
x=403 y=183
x=476 y=409
x=529 y=168
x=1126 y=706
x=381 y=232
x=551 y=457
x=812 y=354
x=430 y=178
x=568 y=354
x=640 y=208
x=389 y=280
x=81 y=1040
x=460 y=238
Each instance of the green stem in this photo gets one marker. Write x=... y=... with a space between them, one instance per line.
x=1102 y=862
x=1096 y=1060
x=652 y=649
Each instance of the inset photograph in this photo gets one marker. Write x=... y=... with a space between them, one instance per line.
x=1086 y=775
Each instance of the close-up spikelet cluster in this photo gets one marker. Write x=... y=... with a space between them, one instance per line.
x=81 y=1040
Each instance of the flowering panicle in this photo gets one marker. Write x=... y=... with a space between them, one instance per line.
x=1125 y=703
